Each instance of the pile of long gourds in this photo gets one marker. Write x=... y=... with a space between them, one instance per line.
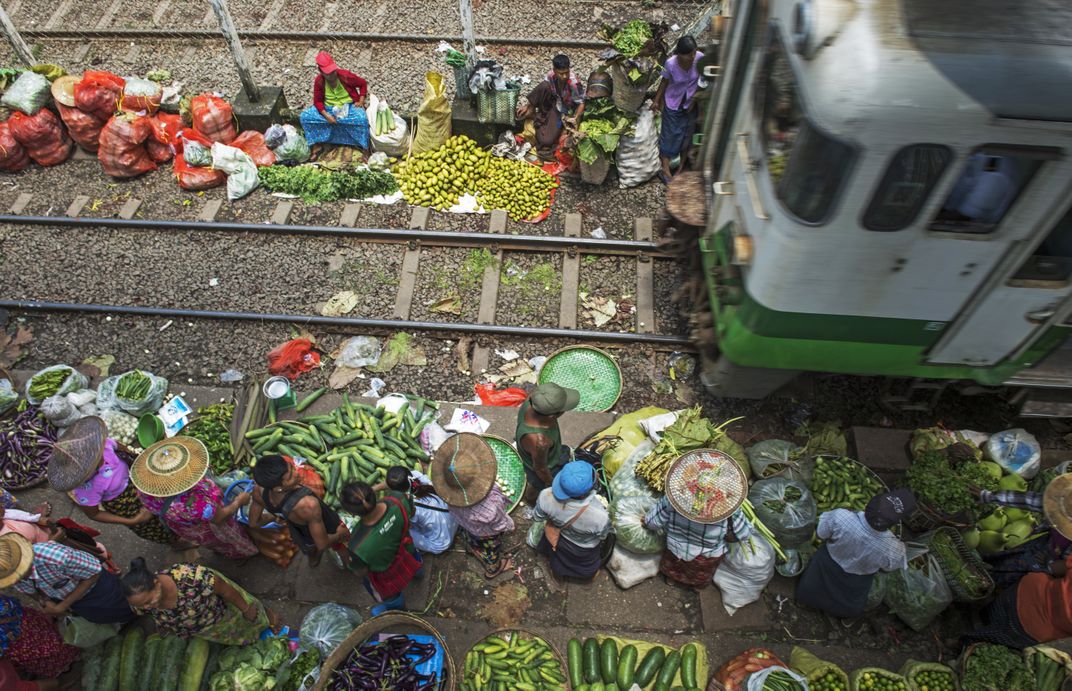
x=354 y=442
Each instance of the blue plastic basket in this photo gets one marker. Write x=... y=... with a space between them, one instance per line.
x=242 y=516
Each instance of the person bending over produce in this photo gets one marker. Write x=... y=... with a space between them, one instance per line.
x=557 y=99
x=696 y=542
x=30 y=523
x=63 y=579
x=463 y=473
x=337 y=115
x=31 y=643
x=674 y=99
x=188 y=600
x=1038 y=607
x=314 y=526
x=170 y=479
x=1036 y=553
x=95 y=471
x=857 y=545
x=577 y=523
x=432 y=527
x=538 y=438
x=381 y=542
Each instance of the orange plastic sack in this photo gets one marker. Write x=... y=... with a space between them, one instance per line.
x=99 y=93
x=252 y=143
x=292 y=358
x=43 y=136
x=195 y=178
x=735 y=672
x=13 y=156
x=510 y=396
x=83 y=127
x=213 y=118
x=192 y=135
x=166 y=128
x=122 y=146
x=308 y=477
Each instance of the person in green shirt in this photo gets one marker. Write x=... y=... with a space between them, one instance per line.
x=381 y=543
x=539 y=441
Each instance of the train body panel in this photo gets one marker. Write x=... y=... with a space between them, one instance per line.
x=859 y=167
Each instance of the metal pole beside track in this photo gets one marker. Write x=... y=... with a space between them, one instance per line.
x=318 y=320
x=12 y=35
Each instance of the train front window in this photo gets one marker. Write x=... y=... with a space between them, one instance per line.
x=985 y=191
x=806 y=166
x=906 y=185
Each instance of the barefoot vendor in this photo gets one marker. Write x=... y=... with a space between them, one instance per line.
x=698 y=530
x=337 y=115
x=857 y=545
x=538 y=438
x=557 y=99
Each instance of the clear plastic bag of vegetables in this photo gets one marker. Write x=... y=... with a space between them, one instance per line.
x=625 y=483
x=57 y=380
x=919 y=593
x=776 y=677
x=780 y=458
x=626 y=512
x=326 y=626
x=877 y=594
x=133 y=392
x=8 y=395
x=786 y=507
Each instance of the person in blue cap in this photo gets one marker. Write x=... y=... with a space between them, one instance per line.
x=577 y=523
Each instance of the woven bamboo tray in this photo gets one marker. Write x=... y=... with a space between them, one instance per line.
x=500 y=633
x=393 y=622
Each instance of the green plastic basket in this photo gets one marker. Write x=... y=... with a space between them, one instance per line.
x=591 y=371
x=511 y=470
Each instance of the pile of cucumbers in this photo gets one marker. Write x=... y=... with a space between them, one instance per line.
x=513 y=661
x=595 y=666
x=354 y=442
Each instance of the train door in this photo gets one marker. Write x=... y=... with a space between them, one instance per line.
x=1031 y=287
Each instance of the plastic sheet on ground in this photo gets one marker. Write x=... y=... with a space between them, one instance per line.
x=703 y=668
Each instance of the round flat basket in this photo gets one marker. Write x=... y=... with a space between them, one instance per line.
x=591 y=371
x=511 y=475
x=510 y=637
x=390 y=623
x=232 y=491
x=706 y=485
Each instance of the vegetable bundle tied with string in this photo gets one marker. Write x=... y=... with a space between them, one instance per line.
x=689 y=431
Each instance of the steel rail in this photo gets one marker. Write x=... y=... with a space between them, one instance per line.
x=433 y=238
x=318 y=320
x=258 y=35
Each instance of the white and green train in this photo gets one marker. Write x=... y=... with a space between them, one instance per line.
x=890 y=193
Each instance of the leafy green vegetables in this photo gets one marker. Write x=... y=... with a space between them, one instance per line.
x=992 y=666
x=49 y=382
x=250 y=668
x=315 y=185
x=211 y=427
x=934 y=479
x=603 y=127
x=632 y=38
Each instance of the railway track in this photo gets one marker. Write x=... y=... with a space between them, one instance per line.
x=415 y=243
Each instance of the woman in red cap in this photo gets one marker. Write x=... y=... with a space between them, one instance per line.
x=337 y=115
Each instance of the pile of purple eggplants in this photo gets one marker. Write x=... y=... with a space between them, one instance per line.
x=387 y=666
x=26 y=440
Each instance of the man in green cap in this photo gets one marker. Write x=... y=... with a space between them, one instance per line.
x=539 y=441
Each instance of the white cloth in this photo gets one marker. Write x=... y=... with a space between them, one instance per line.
x=857 y=547
x=432 y=531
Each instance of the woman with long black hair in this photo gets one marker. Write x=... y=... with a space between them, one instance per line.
x=431 y=526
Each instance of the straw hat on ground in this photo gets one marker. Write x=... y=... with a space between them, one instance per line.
x=170 y=467
x=77 y=454
x=706 y=485
x=1057 y=504
x=463 y=470
x=16 y=557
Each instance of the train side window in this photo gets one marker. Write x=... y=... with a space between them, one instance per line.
x=806 y=166
x=909 y=179
x=986 y=189
x=1052 y=260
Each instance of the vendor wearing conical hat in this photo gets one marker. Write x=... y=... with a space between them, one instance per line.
x=463 y=473
x=62 y=579
x=704 y=490
x=1038 y=608
x=170 y=479
x=95 y=471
